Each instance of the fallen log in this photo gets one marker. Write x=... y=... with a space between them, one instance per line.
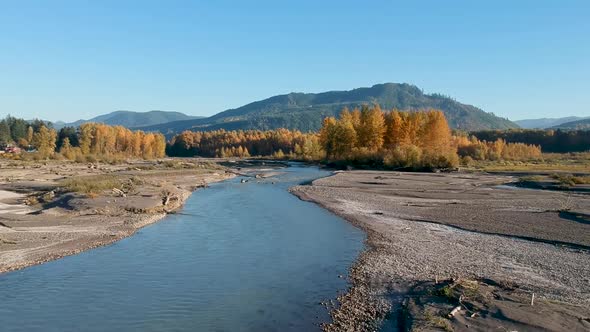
x=454 y=311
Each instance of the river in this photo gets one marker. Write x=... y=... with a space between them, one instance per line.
x=238 y=257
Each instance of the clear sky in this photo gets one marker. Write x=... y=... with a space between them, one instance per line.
x=66 y=60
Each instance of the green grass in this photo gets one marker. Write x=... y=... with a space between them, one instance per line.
x=446 y=291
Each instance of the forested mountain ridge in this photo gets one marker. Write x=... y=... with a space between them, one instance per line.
x=544 y=123
x=131 y=119
x=305 y=111
x=583 y=124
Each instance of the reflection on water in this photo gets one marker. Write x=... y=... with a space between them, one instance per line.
x=240 y=257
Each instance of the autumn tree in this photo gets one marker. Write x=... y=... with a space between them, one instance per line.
x=371 y=128
x=86 y=137
x=328 y=136
x=66 y=149
x=45 y=141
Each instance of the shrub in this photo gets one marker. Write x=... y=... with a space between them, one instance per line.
x=404 y=156
x=467 y=161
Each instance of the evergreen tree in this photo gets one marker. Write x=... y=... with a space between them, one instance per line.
x=5 y=135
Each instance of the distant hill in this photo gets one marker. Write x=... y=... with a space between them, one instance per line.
x=132 y=119
x=544 y=123
x=305 y=111
x=583 y=124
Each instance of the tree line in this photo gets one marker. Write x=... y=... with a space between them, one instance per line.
x=367 y=136
x=18 y=131
x=394 y=139
x=92 y=140
x=416 y=140
x=559 y=141
x=244 y=143
x=471 y=148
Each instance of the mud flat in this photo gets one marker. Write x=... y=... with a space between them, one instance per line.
x=453 y=230
x=42 y=218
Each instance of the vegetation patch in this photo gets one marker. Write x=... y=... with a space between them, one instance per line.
x=531 y=178
x=570 y=180
x=92 y=184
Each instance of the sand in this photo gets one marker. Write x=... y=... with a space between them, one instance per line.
x=9 y=203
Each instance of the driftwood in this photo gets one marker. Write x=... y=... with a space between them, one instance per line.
x=118 y=192
x=454 y=311
x=168 y=197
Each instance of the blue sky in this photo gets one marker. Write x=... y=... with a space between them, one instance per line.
x=66 y=60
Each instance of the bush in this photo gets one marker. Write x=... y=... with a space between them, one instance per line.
x=438 y=160
x=91 y=158
x=408 y=156
x=80 y=159
x=467 y=161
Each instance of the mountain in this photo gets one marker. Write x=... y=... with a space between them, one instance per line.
x=583 y=124
x=544 y=123
x=305 y=111
x=132 y=119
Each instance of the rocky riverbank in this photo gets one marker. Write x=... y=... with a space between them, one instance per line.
x=431 y=227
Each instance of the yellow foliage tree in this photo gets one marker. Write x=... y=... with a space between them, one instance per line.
x=45 y=141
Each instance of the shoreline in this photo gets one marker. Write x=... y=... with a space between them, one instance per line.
x=359 y=295
x=72 y=223
x=402 y=252
x=98 y=242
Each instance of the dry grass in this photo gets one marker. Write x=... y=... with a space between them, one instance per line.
x=532 y=178
x=559 y=162
x=438 y=322
x=91 y=184
x=571 y=180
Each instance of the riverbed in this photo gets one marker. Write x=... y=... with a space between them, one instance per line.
x=239 y=256
x=424 y=227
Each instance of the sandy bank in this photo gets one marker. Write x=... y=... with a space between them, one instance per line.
x=10 y=203
x=57 y=223
x=423 y=227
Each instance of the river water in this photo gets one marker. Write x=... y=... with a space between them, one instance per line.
x=238 y=257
